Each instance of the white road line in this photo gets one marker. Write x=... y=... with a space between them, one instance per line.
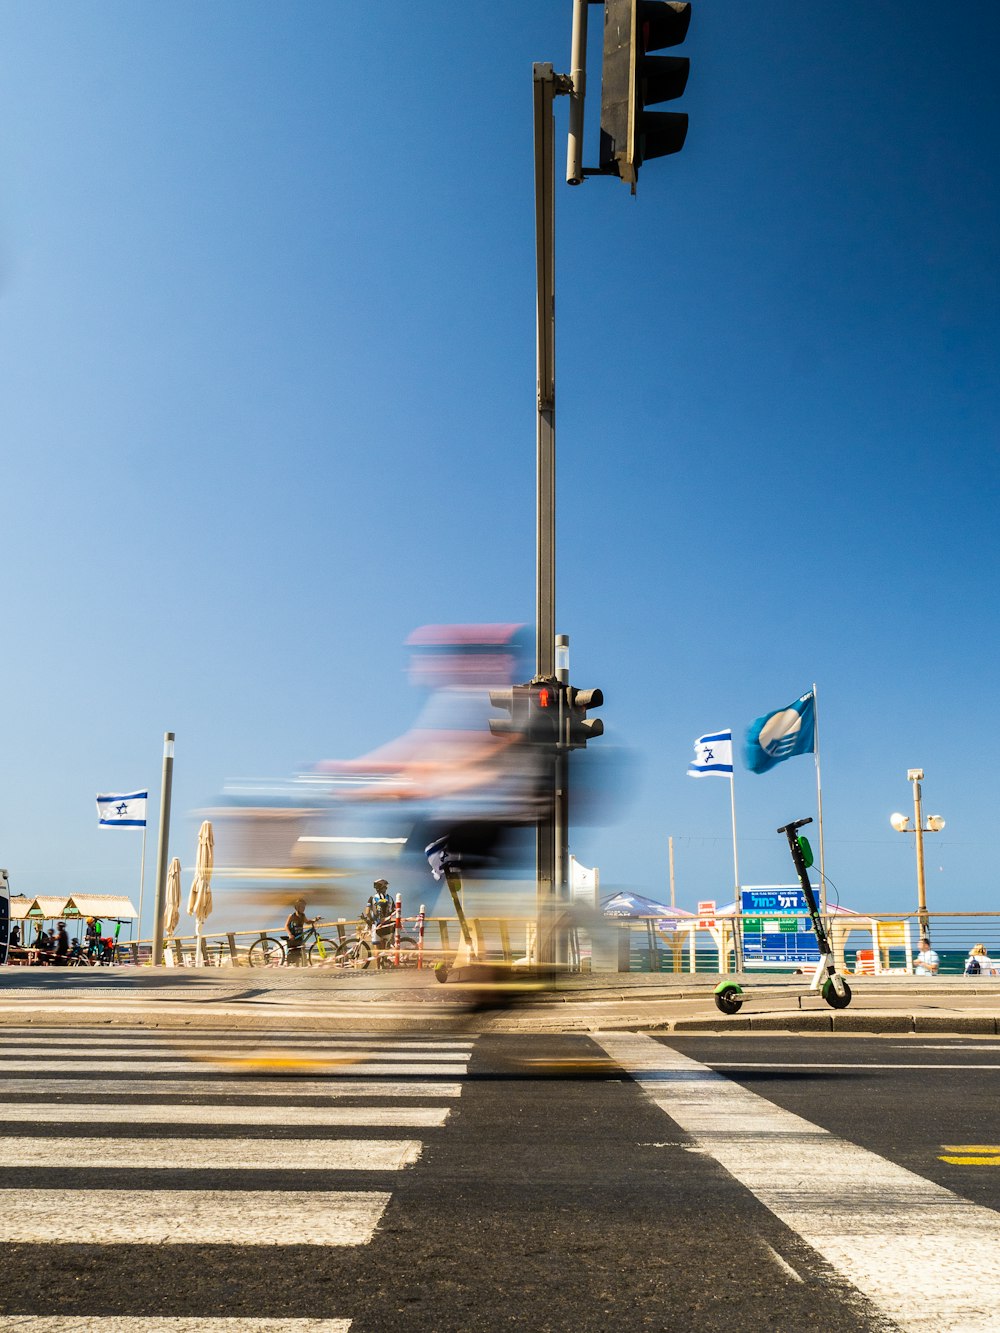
x=104 y=1323
x=276 y=1086
x=177 y=1154
x=924 y=1255
x=829 y=1064
x=71 y=1113
x=190 y=1217
x=972 y=1047
x=126 y=1065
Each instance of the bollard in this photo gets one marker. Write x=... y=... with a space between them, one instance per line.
x=398 y=931
x=421 y=920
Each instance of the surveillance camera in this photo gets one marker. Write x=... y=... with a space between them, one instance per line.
x=899 y=822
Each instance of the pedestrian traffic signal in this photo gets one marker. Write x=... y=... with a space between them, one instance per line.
x=581 y=727
x=544 y=710
x=632 y=80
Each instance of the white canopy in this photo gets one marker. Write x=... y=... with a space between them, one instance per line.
x=107 y=906
x=46 y=907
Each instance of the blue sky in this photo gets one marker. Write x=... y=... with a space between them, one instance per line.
x=267 y=404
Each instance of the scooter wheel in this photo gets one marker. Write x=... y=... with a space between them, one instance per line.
x=729 y=999
x=834 y=1000
x=441 y=971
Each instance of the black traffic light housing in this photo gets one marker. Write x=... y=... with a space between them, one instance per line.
x=544 y=711
x=535 y=710
x=581 y=727
x=512 y=700
x=633 y=80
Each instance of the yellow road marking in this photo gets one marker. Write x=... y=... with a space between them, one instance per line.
x=971 y=1154
x=597 y=1065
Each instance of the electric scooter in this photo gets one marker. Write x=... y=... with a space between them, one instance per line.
x=729 y=996
x=495 y=979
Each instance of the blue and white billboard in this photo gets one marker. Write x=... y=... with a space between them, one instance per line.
x=777 y=929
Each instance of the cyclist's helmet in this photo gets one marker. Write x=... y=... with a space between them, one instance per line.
x=381 y=884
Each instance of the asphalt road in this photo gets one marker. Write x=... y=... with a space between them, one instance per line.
x=744 y=1182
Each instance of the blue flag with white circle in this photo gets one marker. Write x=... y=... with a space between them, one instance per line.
x=781 y=734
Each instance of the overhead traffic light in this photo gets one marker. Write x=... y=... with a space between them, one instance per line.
x=581 y=727
x=633 y=80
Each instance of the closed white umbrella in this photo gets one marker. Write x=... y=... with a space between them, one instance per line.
x=200 y=898
x=172 y=906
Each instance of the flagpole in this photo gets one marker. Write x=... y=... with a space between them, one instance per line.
x=819 y=807
x=737 y=920
x=142 y=879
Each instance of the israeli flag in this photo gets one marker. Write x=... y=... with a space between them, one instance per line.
x=713 y=756
x=128 y=811
x=780 y=735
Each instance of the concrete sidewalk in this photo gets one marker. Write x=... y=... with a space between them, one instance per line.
x=412 y=1001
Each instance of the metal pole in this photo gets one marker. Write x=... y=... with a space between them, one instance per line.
x=142 y=877
x=545 y=628
x=819 y=806
x=915 y=775
x=578 y=75
x=161 y=856
x=738 y=918
x=544 y=83
x=561 y=797
x=670 y=854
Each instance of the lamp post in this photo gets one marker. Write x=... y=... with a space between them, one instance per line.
x=934 y=824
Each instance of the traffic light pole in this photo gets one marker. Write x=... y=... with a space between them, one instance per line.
x=550 y=835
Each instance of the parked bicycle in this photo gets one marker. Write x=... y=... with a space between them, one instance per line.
x=269 y=951
x=356 y=953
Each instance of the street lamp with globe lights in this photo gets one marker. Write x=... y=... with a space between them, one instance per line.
x=934 y=824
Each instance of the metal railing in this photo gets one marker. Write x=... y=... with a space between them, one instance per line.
x=882 y=943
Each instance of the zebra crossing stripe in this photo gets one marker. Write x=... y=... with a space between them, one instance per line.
x=212 y=1154
x=921 y=1253
x=78 y=1050
x=190 y=1217
x=233 y=1087
x=75 y=1323
x=70 y=1113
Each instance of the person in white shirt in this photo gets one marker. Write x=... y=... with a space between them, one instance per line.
x=979 y=963
x=927 y=960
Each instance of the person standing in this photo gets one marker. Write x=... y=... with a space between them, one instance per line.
x=379 y=914
x=927 y=960
x=295 y=929
x=62 y=946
